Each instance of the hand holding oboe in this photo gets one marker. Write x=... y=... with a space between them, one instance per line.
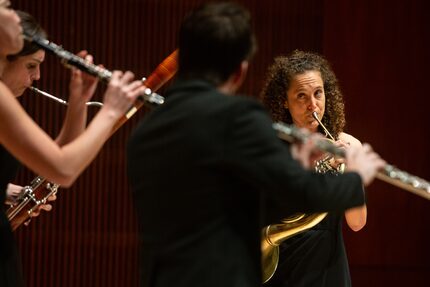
x=121 y=93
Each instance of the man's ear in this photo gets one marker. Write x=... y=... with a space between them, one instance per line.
x=235 y=79
x=240 y=74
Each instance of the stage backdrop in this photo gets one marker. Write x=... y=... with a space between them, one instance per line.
x=379 y=50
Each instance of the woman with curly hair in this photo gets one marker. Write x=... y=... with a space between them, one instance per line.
x=297 y=86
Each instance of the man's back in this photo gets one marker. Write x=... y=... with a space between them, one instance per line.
x=185 y=193
x=197 y=165
x=177 y=157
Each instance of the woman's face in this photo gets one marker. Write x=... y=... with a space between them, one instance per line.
x=4 y=3
x=10 y=30
x=19 y=74
x=305 y=96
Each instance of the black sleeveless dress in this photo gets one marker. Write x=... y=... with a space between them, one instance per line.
x=314 y=258
x=10 y=265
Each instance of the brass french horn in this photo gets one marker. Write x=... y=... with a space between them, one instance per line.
x=274 y=234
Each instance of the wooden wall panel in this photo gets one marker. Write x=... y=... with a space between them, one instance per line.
x=90 y=237
x=379 y=50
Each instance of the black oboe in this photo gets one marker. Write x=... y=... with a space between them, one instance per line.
x=69 y=59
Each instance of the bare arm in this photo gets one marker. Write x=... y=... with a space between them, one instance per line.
x=355 y=217
x=82 y=87
x=33 y=147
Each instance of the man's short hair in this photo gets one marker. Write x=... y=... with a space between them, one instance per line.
x=214 y=40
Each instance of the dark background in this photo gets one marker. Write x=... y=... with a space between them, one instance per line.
x=379 y=51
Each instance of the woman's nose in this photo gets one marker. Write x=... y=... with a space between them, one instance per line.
x=312 y=104
x=36 y=75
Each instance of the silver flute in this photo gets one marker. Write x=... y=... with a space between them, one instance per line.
x=389 y=173
x=61 y=101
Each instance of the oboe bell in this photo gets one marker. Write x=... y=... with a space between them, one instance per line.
x=149 y=96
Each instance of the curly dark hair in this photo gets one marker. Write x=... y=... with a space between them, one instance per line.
x=280 y=74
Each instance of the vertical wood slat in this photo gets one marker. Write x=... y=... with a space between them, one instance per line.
x=89 y=239
x=381 y=57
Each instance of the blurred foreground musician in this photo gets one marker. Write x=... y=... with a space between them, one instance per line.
x=205 y=164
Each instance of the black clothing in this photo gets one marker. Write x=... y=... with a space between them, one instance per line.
x=10 y=267
x=316 y=258
x=203 y=167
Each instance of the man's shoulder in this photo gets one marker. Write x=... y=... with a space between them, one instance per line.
x=213 y=100
x=242 y=100
x=198 y=90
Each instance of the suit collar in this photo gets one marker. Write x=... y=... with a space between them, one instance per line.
x=190 y=86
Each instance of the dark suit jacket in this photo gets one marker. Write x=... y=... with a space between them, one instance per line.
x=203 y=167
x=10 y=265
